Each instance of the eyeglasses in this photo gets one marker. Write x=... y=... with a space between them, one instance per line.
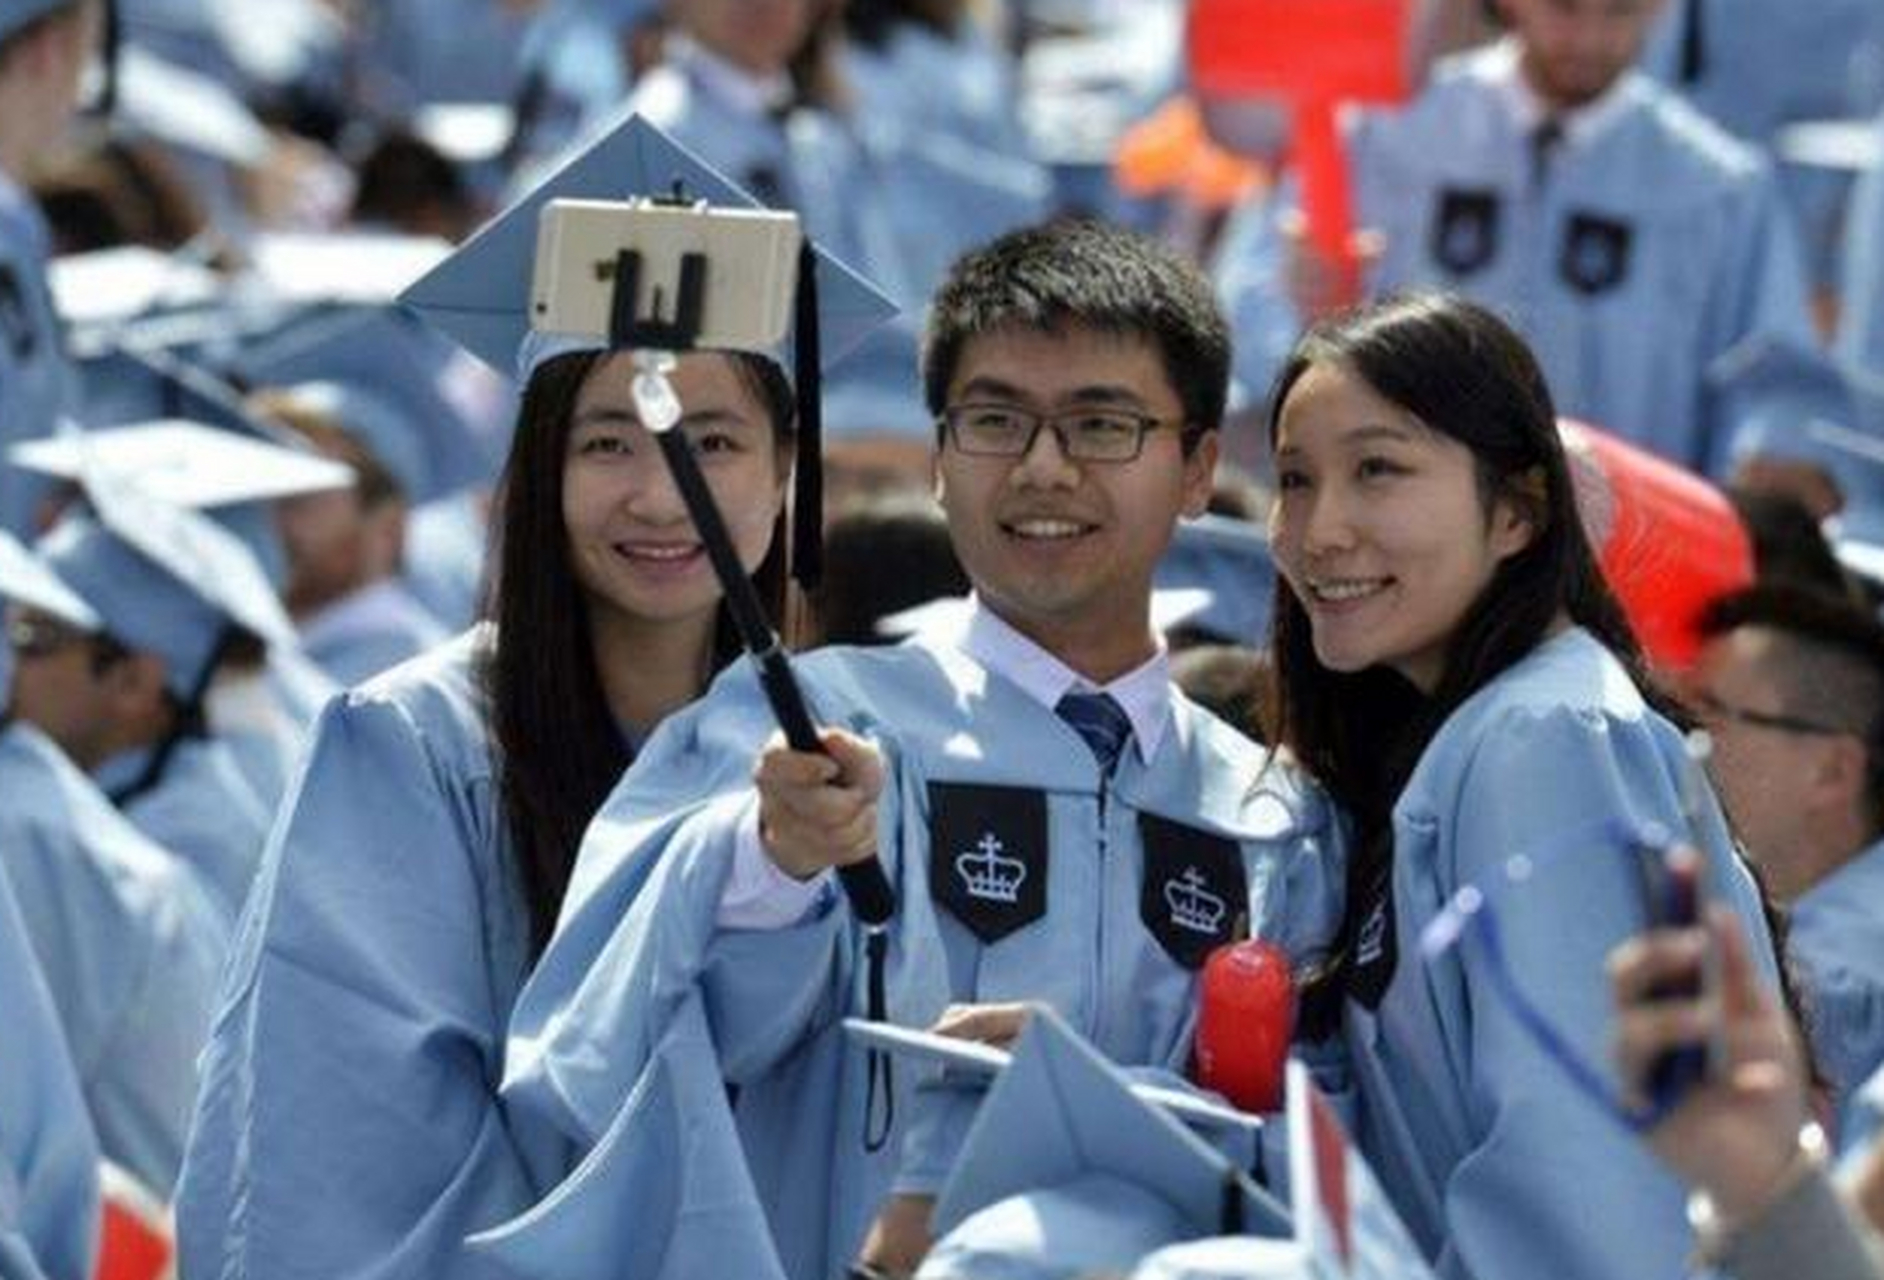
x=1085 y=435
x=1711 y=708
x=32 y=636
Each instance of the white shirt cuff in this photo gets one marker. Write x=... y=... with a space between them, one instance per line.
x=758 y=895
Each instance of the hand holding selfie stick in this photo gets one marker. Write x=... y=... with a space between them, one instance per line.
x=654 y=340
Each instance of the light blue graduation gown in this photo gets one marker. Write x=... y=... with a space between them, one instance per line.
x=48 y=1154
x=202 y=809
x=1710 y=258
x=1497 y=1165
x=445 y=552
x=370 y=631
x=129 y=942
x=638 y=949
x=348 y=1124
x=1837 y=937
x=1766 y=66
x=35 y=379
x=1861 y=288
x=962 y=85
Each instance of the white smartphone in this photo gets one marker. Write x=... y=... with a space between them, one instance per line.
x=750 y=278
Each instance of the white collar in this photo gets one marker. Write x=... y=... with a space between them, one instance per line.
x=1144 y=693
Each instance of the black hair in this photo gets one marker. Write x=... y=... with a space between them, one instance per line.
x=1463 y=372
x=883 y=554
x=1831 y=669
x=557 y=747
x=1075 y=274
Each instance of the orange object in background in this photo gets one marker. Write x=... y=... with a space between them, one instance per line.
x=1170 y=151
x=1670 y=543
x=1314 y=55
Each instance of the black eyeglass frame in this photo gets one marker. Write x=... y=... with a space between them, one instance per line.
x=1710 y=707
x=1143 y=424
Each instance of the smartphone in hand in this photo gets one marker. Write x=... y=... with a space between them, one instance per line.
x=1673 y=891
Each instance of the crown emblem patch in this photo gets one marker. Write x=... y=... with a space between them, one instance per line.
x=987 y=875
x=988 y=856
x=1193 y=906
x=1195 y=893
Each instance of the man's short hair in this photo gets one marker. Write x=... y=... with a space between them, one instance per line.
x=1076 y=274
x=1828 y=665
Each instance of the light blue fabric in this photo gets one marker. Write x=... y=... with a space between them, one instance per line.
x=1861 y=288
x=1712 y=256
x=963 y=85
x=1764 y=67
x=1863 y=1121
x=638 y=942
x=370 y=631
x=202 y=808
x=35 y=380
x=900 y=204
x=142 y=604
x=445 y=553
x=48 y=1153
x=348 y=1125
x=1838 y=939
x=130 y=945
x=1497 y=1165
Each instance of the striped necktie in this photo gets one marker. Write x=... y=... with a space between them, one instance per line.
x=1101 y=721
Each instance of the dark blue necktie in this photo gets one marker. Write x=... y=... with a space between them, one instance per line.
x=1100 y=721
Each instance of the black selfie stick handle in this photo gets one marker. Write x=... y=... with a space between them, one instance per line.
x=865 y=885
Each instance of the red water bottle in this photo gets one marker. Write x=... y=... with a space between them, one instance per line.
x=1245 y=1023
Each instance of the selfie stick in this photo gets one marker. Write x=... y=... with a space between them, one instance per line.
x=654 y=342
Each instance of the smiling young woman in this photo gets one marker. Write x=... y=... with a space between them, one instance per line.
x=1450 y=664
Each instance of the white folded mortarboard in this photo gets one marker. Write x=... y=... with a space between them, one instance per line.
x=481 y=295
x=186 y=463
x=187 y=109
x=28 y=580
x=352 y=268
x=113 y=285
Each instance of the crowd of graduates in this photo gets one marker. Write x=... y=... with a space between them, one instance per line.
x=1465 y=588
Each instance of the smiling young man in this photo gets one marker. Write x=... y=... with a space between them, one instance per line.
x=1060 y=825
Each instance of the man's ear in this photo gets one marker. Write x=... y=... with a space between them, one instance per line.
x=1841 y=771
x=1200 y=475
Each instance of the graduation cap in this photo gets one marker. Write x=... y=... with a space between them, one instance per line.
x=28 y=580
x=1067 y=1171
x=162 y=578
x=387 y=379
x=186 y=464
x=1227 y=560
x=480 y=296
